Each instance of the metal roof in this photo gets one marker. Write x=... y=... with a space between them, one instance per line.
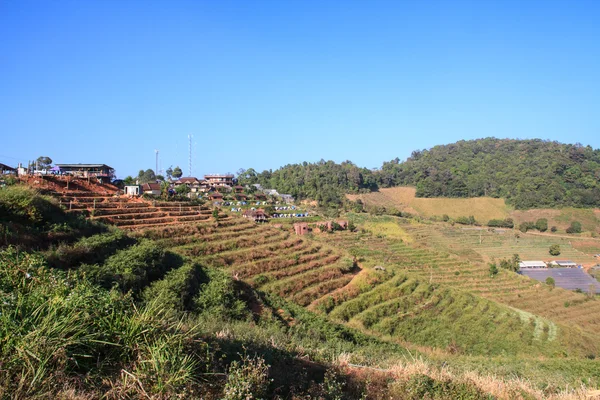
x=532 y=264
x=83 y=166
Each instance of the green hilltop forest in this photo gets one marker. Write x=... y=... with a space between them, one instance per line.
x=528 y=173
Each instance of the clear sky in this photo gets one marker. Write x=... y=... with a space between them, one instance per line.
x=266 y=83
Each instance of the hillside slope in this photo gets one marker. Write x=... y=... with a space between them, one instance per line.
x=528 y=173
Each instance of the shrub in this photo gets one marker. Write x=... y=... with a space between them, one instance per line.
x=90 y=250
x=56 y=326
x=501 y=223
x=550 y=281
x=219 y=296
x=553 y=229
x=247 y=379
x=466 y=220
x=493 y=269
x=541 y=224
x=554 y=250
x=133 y=268
x=574 y=228
x=525 y=226
x=177 y=289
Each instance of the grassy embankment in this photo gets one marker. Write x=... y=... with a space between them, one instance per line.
x=126 y=316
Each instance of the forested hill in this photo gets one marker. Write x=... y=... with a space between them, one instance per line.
x=324 y=181
x=528 y=173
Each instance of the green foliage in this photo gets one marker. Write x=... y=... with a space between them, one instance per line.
x=421 y=386
x=541 y=224
x=525 y=226
x=182 y=189
x=550 y=281
x=177 y=172
x=247 y=379
x=21 y=204
x=501 y=223
x=146 y=176
x=466 y=220
x=554 y=250
x=133 y=268
x=553 y=229
x=177 y=289
x=493 y=268
x=220 y=296
x=529 y=173
x=44 y=162
x=56 y=327
x=324 y=181
x=575 y=227
x=90 y=250
x=511 y=264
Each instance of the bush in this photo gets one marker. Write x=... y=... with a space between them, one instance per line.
x=56 y=327
x=501 y=223
x=541 y=224
x=550 y=281
x=219 y=296
x=553 y=229
x=133 y=268
x=574 y=228
x=554 y=250
x=248 y=379
x=91 y=250
x=466 y=220
x=177 y=289
x=525 y=226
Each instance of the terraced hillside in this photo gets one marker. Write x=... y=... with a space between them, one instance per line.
x=273 y=260
x=436 y=264
x=100 y=202
x=415 y=300
x=421 y=284
x=499 y=243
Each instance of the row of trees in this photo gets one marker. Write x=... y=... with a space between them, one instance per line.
x=149 y=175
x=528 y=173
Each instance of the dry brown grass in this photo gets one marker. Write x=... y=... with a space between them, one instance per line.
x=403 y=199
x=561 y=218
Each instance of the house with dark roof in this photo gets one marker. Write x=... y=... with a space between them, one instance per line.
x=152 y=188
x=87 y=170
x=215 y=196
x=5 y=169
x=255 y=215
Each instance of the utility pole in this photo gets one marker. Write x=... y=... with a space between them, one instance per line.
x=190 y=158
x=156 y=169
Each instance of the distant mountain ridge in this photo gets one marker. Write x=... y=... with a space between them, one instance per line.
x=530 y=173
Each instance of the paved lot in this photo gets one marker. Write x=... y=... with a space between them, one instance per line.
x=566 y=278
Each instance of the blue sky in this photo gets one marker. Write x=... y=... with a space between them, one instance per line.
x=266 y=83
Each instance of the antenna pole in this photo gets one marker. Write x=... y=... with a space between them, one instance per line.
x=156 y=169
x=190 y=158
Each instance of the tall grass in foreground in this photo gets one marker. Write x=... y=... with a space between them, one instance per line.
x=55 y=326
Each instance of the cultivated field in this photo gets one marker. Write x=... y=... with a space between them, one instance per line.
x=403 y=199
x=482 y=208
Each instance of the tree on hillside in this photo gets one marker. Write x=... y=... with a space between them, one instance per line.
x=146 y=176
x=554 y=250
x=550 y=281
x=493 y=269
x=44 y=162
x=541 y=224
x=575 y=227
x=177 y=172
